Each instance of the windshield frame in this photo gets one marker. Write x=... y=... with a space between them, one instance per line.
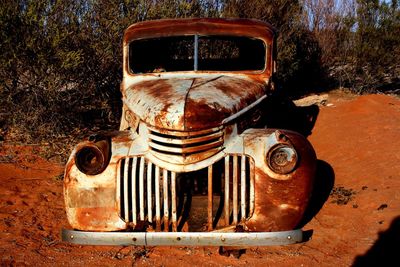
x=196 y=38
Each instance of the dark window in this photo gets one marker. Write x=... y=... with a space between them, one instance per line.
x=231 y=53
x=215 y=53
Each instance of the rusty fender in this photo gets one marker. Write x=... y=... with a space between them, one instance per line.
x=90 y=200
x=280 y=199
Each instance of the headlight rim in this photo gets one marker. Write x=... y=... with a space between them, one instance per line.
x=99 y=150
x=287 y=169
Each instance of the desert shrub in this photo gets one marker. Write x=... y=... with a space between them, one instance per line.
x=360 y=42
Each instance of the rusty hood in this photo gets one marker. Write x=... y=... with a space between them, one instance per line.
x=188 y=104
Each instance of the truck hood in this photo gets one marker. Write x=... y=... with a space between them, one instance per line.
x=189 y=104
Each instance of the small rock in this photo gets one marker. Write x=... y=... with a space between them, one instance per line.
x=320 y=100
x=119 y=256
x=382 y=207
x=231 y=252
x=341 y=195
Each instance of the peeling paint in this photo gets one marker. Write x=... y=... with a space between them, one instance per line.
x=186 y=105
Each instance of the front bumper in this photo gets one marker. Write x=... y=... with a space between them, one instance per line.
x=184 y=238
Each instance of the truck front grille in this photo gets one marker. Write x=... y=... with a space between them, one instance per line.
x=150 y=197
x=185 y=147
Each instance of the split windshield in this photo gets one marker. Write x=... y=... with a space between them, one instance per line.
x=192 y=53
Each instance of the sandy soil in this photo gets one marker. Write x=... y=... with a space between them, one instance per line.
x=356 y=202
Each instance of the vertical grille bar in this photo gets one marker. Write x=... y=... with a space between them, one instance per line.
x=133 y=195
x=141 y=189
x=149 y=192
x=126 y=202
x=226 y=192
x=243 y=187
x=173 y=202
x=235 y=189
x=118 y=193
x=210 y=198
x=166 y=206
x=158 y=205
x=252 y=196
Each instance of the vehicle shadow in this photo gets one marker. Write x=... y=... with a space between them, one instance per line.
x=281 y=113
x=385 y=251
x=323 y=184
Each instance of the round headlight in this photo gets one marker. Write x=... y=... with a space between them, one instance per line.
x=282 y=159
x=93 y=158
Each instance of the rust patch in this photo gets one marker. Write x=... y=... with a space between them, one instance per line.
x=189 y=104
x=97 y=219
x=211 y=101
x=202 y=114
x=155 y=88
x=234 y=87
x=68 y=167
x=89 y=198
x=159 y=102
x=252 y=119
x=123 y=137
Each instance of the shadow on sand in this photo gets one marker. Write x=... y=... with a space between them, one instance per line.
x=385 y=251
x=323 y=184
x=282 y=113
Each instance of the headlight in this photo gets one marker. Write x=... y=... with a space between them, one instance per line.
x=282 y=159
x=93 y=158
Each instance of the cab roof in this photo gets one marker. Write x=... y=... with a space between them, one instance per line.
x=201 y=26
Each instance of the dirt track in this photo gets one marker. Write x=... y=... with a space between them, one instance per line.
x=357 y=140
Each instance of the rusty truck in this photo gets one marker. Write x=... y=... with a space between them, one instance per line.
x=193 y=162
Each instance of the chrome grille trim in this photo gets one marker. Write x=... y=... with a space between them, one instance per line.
x=187 y=147
x=147 y=193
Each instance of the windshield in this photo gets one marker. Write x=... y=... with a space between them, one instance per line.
x=192 y=53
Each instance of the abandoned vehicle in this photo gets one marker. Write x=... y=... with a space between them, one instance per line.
x=193 y=162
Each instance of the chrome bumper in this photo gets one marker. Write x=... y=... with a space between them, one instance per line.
x=183 y=238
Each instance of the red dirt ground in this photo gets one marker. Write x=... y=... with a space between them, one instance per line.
x=357 y=140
